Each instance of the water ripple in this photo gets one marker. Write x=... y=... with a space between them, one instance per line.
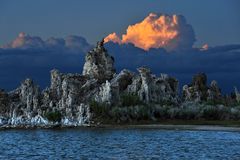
x=118 y=144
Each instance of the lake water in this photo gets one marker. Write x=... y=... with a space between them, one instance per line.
x=99 y=143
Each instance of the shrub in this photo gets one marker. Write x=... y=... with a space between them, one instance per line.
x=215 y=112
x=235 y=113
x=166 y=102
x=189 y=113
x=210 y=113
x=99 y=109
x=236 y=104
x=54 y=116
x=115 y=113
x=174 y=113
x=130 y=100
x=215 y=102
x=161 y=112
x=144 y=112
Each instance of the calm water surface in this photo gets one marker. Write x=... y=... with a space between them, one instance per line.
x=118 y=144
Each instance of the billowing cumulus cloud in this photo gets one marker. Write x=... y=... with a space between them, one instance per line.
x=77 y=43
x=70 y=43
x=25 y=41
x=170 y=32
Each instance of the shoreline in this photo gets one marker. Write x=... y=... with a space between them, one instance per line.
x=173 y=127
x=165 y=125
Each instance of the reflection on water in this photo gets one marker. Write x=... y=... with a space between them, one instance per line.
x=118 y=144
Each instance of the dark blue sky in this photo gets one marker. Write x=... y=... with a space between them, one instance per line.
x=215 y=22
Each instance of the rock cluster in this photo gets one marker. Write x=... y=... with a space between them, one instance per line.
x=67 y=102
x=148 y=87
x=152 y=89
x=237 y=94
x=198 y=90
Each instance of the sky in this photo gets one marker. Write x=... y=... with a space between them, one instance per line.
x=215 y=22
x=166 y=36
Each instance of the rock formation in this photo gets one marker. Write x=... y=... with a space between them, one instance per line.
x=214 y=92
x=99 y=64
x=197 y=90
x=4 y=103
x=67 y=102
x=237 y=94
x=152 y=89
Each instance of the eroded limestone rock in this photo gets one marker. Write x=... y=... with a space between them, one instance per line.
x=109 y=92
x=99 y=64
x=214 y=92
x=152 y=89
x=237 y=94
x=197 y=90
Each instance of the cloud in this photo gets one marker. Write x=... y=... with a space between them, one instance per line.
x=204 y=47
x=70 y=43
x=224 y=48
x=77 y=43
x=113 y=37
x=25 y=41
x=170 y=32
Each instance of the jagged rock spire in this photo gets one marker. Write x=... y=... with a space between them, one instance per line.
x=99 y=64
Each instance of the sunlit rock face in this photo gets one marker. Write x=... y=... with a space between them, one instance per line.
x=99 y=64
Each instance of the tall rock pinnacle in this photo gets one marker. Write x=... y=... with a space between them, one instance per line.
x=99 y=64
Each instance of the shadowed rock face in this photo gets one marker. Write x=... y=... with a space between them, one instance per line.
x=4 y=102
x=197 y=90
x=214 y=92
x=237 y=94
x=67 y=101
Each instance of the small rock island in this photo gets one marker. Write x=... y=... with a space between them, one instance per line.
x=101 y=96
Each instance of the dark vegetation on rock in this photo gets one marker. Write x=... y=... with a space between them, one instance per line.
x=53 y=116
x=100 y=95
